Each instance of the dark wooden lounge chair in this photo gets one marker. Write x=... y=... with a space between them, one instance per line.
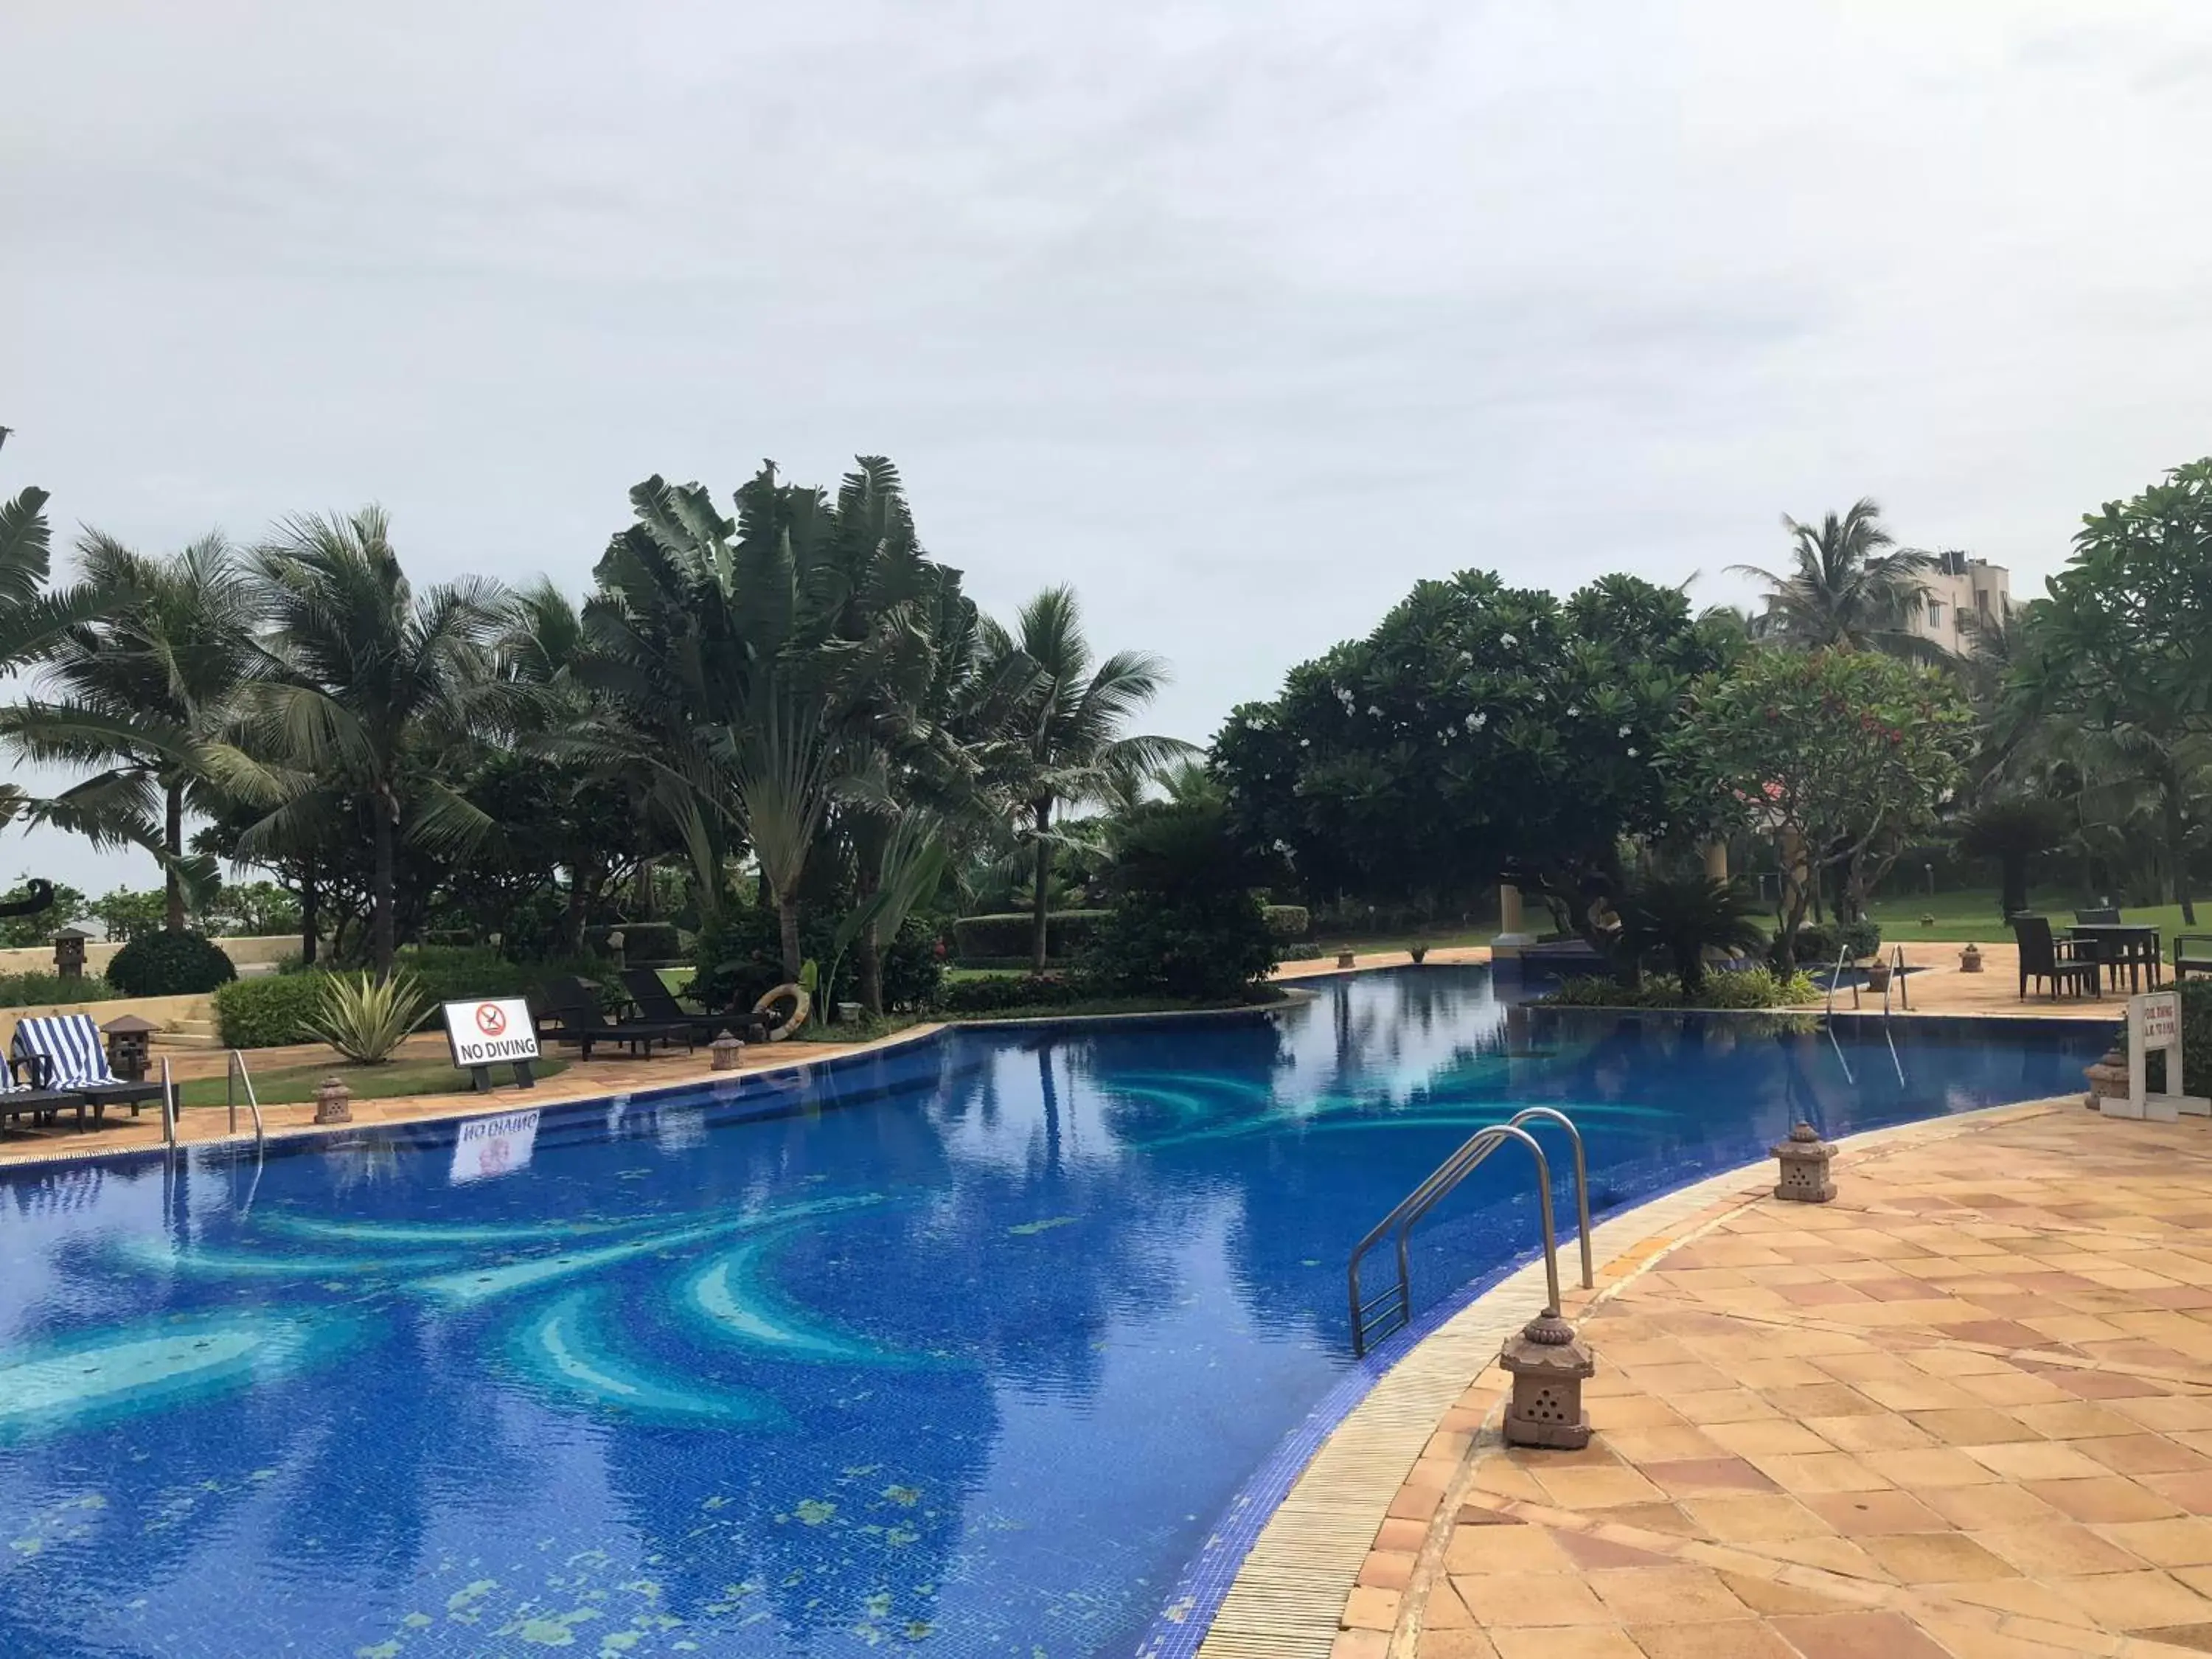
x=68 y=1056
x=2057 y=961
x=573 y=1008
x=656 y=1001
x=20 y=1096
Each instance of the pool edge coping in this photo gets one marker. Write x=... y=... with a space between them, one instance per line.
x=1297 y=1563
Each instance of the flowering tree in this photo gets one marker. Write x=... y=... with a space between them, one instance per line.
x=1840 y=755
x=1479 y=728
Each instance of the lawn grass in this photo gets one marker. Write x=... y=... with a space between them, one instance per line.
x=1973 y=915
x=289 y=1084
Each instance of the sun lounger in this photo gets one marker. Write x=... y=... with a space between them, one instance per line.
x=655 y=1002
x=573 y=1008
x=69 y=1057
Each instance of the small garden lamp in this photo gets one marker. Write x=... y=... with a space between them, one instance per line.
x=68 y=952
x=1547 y=1363
x=131 y=1046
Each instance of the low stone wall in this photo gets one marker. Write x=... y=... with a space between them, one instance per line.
x=165 y=1011
x=244 y=952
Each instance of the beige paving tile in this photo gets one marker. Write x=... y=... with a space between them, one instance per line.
x=1935 y=1557
x=1502 y=1549
x=2185 y=1542
x=1735 y=1639
x=1608 y=1642
x=1666 y=1596
x=1501 y=1600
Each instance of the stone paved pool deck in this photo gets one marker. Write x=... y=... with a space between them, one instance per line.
x=1964 y=1409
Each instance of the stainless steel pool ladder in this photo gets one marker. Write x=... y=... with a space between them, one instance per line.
x=1391 y=1309
x=237 y=1080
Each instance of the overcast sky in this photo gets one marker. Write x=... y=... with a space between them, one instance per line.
x=1241 y=317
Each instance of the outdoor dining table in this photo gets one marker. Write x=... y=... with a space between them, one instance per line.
x=2130 y=944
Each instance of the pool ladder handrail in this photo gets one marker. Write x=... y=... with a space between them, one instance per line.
x=1395 y=1303
x=236 y=1076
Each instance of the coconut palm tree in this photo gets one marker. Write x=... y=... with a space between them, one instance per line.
x=1071 y=727
x=142 y=694
x=1842 y=591
x=370 y=687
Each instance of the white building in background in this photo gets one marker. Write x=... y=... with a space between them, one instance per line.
x=1959 y=587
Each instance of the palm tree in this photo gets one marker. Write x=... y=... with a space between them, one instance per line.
x=34 y=619
x=371 y=686
x=1683 y=916
x=1070 y=725
x=1842 y=591
x=142 y=694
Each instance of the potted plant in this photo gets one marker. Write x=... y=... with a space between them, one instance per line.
x=1418 y=949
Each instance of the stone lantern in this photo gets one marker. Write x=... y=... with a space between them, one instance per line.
x=615 y=941
x=68 y=952
x=727 y=1051
x=131 y=1046
x=1803 y=1159
x=333 y=1101
x=1547 y=1363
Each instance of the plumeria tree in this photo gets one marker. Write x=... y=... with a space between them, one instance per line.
x=1480 y=728
x=1840 y=755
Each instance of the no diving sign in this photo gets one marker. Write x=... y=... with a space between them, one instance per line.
x=491 y=1031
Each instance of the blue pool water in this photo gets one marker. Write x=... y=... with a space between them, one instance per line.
x=962 y=1349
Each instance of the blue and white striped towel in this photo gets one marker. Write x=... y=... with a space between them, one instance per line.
x=71 y=1046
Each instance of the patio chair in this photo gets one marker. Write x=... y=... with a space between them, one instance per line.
x=20 y=1095
x=2057 y=961
x=2105 y=917
x=67 y=1056
x=573 y=1008
x=2192 y=954
x=655 y=1002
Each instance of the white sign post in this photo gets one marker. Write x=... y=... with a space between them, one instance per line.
x=492 y=1031
x=2155 y=1024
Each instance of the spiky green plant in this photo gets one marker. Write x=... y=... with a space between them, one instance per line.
x=365 y=1017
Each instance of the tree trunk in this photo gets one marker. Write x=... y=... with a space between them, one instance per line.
x=572 y=921
x=870 y=962
x=173 y=843
x=383 y=935
x=1039 y=903
x=643 y=897
x=786 y=915
x=2177 y=860
x=310 y=913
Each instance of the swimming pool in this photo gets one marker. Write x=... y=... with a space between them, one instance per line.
x=964 y=1347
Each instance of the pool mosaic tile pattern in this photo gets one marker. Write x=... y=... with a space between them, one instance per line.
x=966 y=1347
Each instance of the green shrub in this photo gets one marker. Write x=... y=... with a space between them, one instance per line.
x=1304 y=951
x=1818 y=942
x=448 y=973
x=1010 y=937
x=269 y=1011
x=2196 y=1042
x=170 y=965
x=365 y=1017
x=642 y=941
x=1289 y=921
x=737 y=958
x=1186 y=922
x=997 y=992
x=1739 y=987
x=913 y=966
x=38 y=990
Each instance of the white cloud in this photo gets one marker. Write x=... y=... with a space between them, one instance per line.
x=1241 y=317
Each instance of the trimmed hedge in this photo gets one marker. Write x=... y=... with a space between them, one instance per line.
x=1009 y=937
x=1001 y=991
x=268 y=1012
x=273 y=1010
x=41 y=990
x=169 y=965
x=1289 y=921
